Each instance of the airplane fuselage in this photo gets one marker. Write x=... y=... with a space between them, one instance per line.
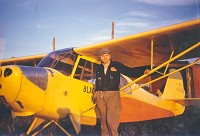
x=44 y=92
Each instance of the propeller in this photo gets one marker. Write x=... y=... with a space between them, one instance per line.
x=75 y=119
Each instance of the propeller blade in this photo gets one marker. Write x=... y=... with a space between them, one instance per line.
x=75 y=119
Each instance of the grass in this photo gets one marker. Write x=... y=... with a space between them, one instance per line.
x=187 y=124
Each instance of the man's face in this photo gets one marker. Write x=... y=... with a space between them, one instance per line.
x=105 y=58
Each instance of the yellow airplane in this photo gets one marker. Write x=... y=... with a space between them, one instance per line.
x=63 y=82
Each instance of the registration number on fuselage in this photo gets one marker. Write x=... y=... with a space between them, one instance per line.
x=88 y=89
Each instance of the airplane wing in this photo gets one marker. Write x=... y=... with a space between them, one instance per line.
x=135 y=50
x=32 y=60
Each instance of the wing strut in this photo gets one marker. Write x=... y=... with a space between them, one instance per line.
x=172 y=53
x=164 y=64
x=197 y=61
x=168 y=63
x=152 y=44
x=172 y=48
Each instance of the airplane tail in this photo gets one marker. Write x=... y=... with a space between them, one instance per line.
x=174 y=92
x=174 y=88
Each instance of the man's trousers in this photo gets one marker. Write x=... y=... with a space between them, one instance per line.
x=109 y=105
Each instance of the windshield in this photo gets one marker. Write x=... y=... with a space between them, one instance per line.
x=61 y=60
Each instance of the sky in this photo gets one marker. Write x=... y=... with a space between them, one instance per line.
x=27 y=27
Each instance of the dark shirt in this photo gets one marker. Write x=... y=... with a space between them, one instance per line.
x=110 y=81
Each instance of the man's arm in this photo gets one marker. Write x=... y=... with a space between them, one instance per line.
x=133 y=72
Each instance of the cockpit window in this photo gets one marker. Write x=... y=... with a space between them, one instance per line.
x=85 y=71
x=61 y=60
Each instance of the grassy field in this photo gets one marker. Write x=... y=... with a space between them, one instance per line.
x=187 y=124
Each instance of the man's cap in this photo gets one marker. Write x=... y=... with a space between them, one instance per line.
x=104 y=51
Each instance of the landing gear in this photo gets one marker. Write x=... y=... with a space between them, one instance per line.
x=40 y=124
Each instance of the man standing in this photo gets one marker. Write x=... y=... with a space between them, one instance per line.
x=107 y=93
